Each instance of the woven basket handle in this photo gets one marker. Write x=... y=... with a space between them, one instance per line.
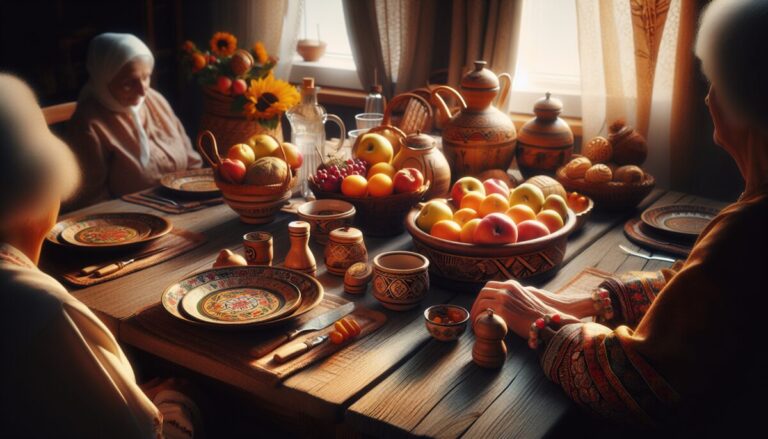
x=201 y=147
x=289 y=174
x=405 y=97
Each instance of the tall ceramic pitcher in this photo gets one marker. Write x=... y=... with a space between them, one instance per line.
x=479 y=136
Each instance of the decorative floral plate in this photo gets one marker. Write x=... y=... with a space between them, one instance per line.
x=687 y=220
x=198 y=182
x=109 y=230
x=311 y=292
x=236 y=299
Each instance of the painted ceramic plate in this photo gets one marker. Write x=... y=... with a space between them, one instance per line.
x=194 y=181
x=688 y=220
x=109 y=230
x=311 y=292
x=237 y=299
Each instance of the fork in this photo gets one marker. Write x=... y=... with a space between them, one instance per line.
x=640 y=255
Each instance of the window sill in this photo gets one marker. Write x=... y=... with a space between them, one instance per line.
x=330 y=71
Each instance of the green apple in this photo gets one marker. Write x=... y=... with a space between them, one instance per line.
x=263 y=145
x=557 y=203
x=529 y=195
x=432 y=212
x=374 y=148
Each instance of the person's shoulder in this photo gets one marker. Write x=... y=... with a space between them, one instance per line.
x=156 y=98
x=88 y=112
x=36 y=298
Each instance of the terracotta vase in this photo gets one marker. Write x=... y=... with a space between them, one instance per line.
x=546 y=141
x=419 y=151
x=479 y=136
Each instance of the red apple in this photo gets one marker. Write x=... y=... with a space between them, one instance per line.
x=496 y=186
x=407 y=180
x=238 y=87
x=232 y=170
x=531 y=229
x=223 y=84
x=463 y=186
x=496 y=228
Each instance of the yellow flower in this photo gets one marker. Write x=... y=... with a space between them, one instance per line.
x=260 y=52
x=268 y=98
x=223 y=44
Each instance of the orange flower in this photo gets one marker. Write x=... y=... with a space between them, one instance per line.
x=188 y=46
x=223 y=44
x=268 y=98
x=260 y=52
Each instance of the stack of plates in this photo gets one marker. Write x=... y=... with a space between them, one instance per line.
x=242 y=297
x=193 y=182
x=109 y=230
x=671 y=229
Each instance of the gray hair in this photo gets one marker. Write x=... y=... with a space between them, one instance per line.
x=33 y=161
x=732 y=44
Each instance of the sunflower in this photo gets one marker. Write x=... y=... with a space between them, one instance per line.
x=260 y=52
x=268 y=98
x=223 y=44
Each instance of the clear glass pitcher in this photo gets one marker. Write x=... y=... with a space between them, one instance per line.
x=307 y=121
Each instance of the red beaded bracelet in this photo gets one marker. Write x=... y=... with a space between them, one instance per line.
x=533 y=335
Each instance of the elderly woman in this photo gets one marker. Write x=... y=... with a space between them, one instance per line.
x=684 y=346
x=64 y=375
x=124 y=133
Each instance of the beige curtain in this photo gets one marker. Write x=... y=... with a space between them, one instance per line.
x=273 y=22
x=628 y=51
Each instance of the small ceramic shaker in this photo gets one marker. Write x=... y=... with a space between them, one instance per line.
x=300 y=257
x=489 y=350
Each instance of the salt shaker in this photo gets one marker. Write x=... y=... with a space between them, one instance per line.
x=489 y=350
x=345 y=247
x=300 y=257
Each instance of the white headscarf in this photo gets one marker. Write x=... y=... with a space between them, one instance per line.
x=107 y=54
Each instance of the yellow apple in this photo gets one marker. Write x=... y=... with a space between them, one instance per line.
x=431 y=213
x=557 y=203
x=374 y=148
x=263 y=145
x=520 y=213
x=293 y=156
x=551 y=219
x=468 y=231
x=527 y=194
x=463 y=216
x=241 y=152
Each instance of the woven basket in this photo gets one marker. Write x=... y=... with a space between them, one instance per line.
x=377 y=216
x=613 y=195
x=228 y=126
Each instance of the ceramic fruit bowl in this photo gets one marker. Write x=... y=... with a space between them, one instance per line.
x=377 y=216
x=457 y=264
x=326 y=215
x=446 y=322
x=612 y=195
x=400 y=279
x=583 y=216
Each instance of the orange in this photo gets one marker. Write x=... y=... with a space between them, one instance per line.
x=472 y=200
x=462 y=216
x=446 y=229
x=354 y=186
x=551 y=219
x=382 y=168
x=468 y=231
x=520 y=213
x=380 y=185
x=493 y=203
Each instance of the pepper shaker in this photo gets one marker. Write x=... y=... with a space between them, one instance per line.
x=300 y=257
x=489 y=350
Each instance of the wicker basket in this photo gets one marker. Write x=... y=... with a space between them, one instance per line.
x=228 y=126
x=255 y=204
x=613 y=195
x=377 y=216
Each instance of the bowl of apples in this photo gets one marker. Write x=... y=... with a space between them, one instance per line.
x=487 y=231
x=255 y=178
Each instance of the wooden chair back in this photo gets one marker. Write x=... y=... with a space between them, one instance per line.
x=59 y=113
x=409 y=112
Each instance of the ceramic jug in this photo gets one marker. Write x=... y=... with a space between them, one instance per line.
x=419 y=151
x=546 y=141
x=479 y=136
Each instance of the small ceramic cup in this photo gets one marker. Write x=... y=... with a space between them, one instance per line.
x=368 y=120
x=326 y=215
x=400 y=279
x=258 y=248
x=446 y=322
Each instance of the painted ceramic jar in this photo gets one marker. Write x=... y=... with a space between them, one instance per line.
x=546 y=141
x=400 y=279
x=326 y=215
x=479 y=136
x=345 y=247
x=419 y=151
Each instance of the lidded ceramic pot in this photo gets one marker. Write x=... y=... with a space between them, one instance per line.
x=546 y=141
x=420 y=152
x=479 y=136
x=345 y=247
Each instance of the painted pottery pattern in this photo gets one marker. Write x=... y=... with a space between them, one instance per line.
x=446 y=334
x=107 y=234
x=400 y=289
x=240 y=304
x=339 y=257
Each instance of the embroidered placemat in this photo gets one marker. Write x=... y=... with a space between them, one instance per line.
x=66 y=263
x=184 y=205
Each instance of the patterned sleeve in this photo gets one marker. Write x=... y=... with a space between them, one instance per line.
x=631 y=295
x=600 y=372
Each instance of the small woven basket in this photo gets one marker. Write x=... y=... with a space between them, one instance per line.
x=613 y=195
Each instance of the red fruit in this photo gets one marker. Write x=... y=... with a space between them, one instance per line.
x=407 y=180
x=238 y=87
x=223 y=84
x=232 y=171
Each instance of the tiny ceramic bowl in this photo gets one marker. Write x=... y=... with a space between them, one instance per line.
x=400 y=279
x=311 y=50
x=446 y=322
x=326 y=215
x=583 y=216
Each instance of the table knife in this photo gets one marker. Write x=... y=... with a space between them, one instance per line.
x=319 y=322
x=293 y=350
x=105 y=269
x=159 y=199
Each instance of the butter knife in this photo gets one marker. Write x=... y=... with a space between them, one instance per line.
x=319 y=322
x=85 y=271
x=159 y=199
x=293 y=350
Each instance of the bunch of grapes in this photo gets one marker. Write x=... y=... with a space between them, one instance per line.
x=329 y=178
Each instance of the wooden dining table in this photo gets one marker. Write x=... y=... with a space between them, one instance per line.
x=398 y=381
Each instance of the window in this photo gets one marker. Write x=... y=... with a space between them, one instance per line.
x=548 y=56
x=324 y=20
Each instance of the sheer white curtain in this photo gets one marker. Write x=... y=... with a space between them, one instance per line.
x=273 y=22
x=627 y=50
